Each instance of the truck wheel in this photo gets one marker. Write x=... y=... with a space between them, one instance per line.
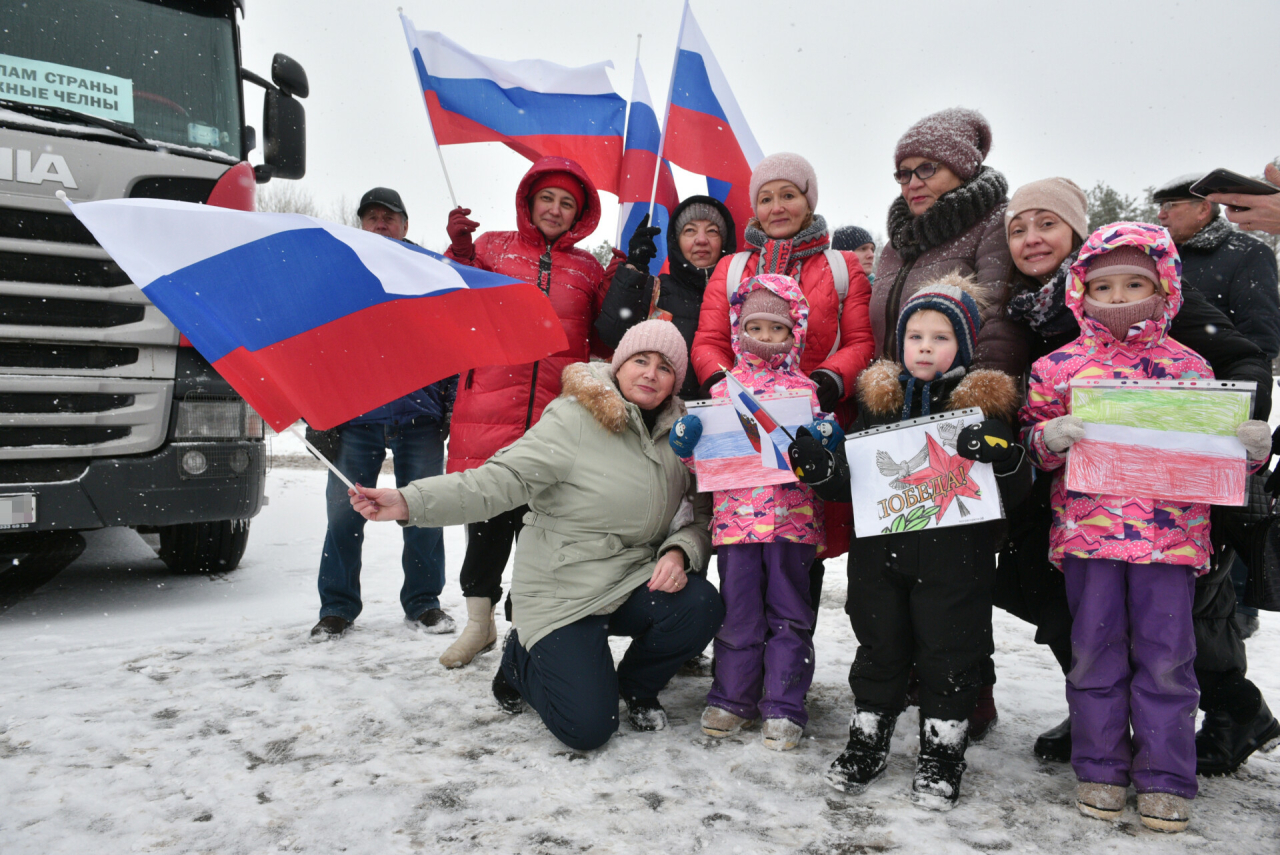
x=204 y=547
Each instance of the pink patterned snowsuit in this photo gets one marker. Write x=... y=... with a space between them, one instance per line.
x=1130 y=563
x=767 y=537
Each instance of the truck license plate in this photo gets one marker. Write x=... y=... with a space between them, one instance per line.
x=17 y=510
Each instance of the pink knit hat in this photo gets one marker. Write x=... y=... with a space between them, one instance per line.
x=1124 y=259
x=956 y=137
x=657 y=336
x=762 y=304
x=787 y=167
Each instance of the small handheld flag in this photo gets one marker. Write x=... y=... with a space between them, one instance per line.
x=773 y=454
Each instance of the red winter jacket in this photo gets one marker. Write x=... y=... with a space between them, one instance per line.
x=496 y=404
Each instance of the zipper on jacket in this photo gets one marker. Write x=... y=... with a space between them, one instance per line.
x=533 y=394
x=471 y=375
x=544 y=284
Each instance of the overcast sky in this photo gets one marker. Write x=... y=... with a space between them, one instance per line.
x=1131 y=93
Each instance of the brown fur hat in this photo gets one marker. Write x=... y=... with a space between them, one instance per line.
x=994 y=392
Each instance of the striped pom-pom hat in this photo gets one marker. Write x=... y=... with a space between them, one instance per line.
x=949 y=295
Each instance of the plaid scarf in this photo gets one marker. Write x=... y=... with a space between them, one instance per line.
x=1044 y=309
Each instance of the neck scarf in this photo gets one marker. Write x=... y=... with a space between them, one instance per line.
x=783 y=255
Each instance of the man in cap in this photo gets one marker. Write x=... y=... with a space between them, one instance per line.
x=1236 y=272
x=414 y=428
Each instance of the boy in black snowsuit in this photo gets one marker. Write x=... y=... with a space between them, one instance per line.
x=922 y=598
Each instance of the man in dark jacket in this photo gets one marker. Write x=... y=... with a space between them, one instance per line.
x=414 y=428
x=1236 y=272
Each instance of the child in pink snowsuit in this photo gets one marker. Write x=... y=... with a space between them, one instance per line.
x=767 y=537
x=1130 y=563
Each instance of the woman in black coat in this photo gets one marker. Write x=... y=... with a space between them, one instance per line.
x=701 y=233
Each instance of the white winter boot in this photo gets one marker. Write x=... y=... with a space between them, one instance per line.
x=480 y=634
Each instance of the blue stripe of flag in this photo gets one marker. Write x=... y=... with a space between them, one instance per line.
x=278 y=287
x=692 y=89
x=642 y=130
x=517 y=112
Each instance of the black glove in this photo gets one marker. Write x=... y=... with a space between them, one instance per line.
x=704 y=391
x=812 y=463
x=828 y=392
x=641 y=249
x=1273 y=484
x=992 y=442
x=327 y=442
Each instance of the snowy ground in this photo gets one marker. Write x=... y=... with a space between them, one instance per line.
x=140 y=712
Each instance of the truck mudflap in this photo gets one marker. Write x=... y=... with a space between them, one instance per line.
x=184 y=482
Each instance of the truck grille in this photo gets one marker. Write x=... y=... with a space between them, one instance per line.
x=47 y=312
x=43 y=225
x=58 y=270
x=81 y=416
x=15 y=354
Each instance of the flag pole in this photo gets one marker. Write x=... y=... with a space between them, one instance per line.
x=626 y=123
x=730 y=378
x=666 y=116
x=408 y=35
x=293 y=429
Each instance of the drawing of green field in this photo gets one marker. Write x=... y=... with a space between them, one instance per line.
x=1191 y=410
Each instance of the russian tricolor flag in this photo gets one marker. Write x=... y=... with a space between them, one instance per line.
x=316 y=320
x=639 y=163
x=706 y=132
x=536 y=108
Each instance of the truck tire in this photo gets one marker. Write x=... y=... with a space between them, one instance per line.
x=204 y=547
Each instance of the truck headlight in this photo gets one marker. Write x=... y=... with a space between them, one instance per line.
x=211 y=420
x=253 y=424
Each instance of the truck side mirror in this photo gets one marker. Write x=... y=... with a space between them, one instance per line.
x=289 y=75
x=284 y=135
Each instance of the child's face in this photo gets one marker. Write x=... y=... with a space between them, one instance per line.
x=930 y=345
x=767 y=331
x=1120 y=288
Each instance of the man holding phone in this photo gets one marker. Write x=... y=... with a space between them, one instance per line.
x=1253 y=212
x=1235 y=272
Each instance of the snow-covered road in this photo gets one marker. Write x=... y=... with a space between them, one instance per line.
x=142 y=712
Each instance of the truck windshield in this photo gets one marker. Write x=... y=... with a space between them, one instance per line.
x=165 y=68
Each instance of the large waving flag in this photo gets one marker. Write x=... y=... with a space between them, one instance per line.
x=639 y=163
x=706 y=132
x=311 y=319
x=536 y=108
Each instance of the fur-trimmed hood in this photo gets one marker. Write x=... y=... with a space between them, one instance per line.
x=881 y=392
x=592 y=385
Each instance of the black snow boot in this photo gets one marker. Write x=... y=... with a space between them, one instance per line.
x=865 y=757
x=941 y=763
x=1222 y=745
x=1055 y=743
x=645 y=714
x=505 y=693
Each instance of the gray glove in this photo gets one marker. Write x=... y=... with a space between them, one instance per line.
x=1255 y=435
x=1063 y=432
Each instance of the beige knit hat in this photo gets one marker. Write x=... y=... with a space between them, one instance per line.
x=656 y=336
x=1062 y=196
x=787 y=167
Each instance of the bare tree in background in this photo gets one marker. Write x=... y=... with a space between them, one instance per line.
x=603 y=253
x=290 y=197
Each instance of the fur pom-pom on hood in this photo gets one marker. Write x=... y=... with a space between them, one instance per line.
x=994 y=392
x=592 y=385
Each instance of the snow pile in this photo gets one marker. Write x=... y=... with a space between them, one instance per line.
x=147 y=713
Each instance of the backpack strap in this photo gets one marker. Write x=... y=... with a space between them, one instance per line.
x=840 y=276
x=734 y=277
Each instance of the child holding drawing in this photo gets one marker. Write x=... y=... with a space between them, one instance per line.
x=1130 y=563
x=766 y=537
x=922 y=595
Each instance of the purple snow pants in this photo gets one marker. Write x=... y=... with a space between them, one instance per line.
x=764 y=649
x=1132 y=657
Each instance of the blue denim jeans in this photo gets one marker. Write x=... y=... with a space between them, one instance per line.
x=418 y=452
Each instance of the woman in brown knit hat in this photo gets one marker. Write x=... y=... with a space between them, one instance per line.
x=949 y=218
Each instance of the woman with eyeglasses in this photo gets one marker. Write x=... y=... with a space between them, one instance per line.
x=949 y=219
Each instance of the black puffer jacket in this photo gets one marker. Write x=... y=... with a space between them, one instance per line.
x=1237 y=274
x=680 y=291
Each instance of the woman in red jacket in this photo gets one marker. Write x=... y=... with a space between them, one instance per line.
x=556 y=206
x=786 y=237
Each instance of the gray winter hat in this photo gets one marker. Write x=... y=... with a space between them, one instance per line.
x=849 y=238
x=700 y=211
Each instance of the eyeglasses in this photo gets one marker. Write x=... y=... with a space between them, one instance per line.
x=924 y=172
x=1165 y=207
